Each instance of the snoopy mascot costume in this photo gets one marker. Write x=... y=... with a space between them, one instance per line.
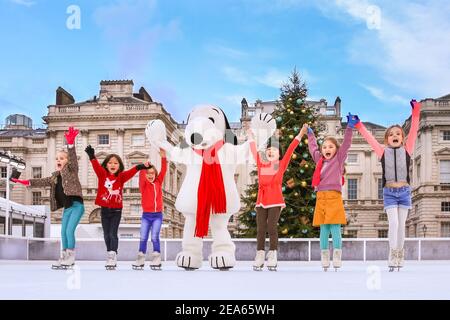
x=208 y=196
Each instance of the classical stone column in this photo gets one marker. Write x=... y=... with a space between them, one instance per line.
x=51 y=152
x=120 y=133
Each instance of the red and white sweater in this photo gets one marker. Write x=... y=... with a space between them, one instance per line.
x=110 y=186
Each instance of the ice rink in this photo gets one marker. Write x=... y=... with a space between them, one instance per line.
x=293 y=280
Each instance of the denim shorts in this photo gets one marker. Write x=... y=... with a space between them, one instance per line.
x=397 y=197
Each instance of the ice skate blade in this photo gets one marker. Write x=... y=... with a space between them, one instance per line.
x=110 y=268
x=156 y=268
x=138 y=267
x=224 y=268
x=260 y=268
x=272 y=268
x=325 y=269
x=391 y=269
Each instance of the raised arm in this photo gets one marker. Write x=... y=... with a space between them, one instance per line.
x=312 y=146
x=72 y=158
x=98 y=169
x=163 y=171
x=412 y=135
x=343 y=150
x=376 y=146
x=287 y=156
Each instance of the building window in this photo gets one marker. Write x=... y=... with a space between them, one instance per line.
x=37 y=198
x=134 y=182
x=352 y=190
x=446 y=135
x=251 y=113
x=445 y=229
x=3 y=172
x=178 y=181
x=380 y=189
x=37 y=172
x=350 y=233
x=352 y=158
x=382 y=216
x=135 y=209
x=418 y=172
x=445 y=206
x=444 y=166
x=103 y=139
x=382 y=233
x=137 y=140
x=37 y=141
x=3 y=194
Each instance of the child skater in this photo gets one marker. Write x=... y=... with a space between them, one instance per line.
x=150 y=185
x=327 y=180
x=111 y=179
x=270 y=199
x=65 y=192
x=395 y=157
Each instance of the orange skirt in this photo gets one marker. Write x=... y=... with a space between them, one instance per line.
x=329 y=208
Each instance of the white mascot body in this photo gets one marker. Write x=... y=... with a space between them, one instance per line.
x=208 y=195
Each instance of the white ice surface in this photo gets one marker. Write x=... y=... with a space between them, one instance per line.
x=293 y=280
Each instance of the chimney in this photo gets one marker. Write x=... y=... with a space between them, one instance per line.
x=63 y=97
x=337 y=106
x=143 y=95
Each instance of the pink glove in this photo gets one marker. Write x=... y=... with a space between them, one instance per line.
x=70 y=136
x=24 y=182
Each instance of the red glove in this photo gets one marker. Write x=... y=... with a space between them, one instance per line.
x=70 y=136
x=24 y=182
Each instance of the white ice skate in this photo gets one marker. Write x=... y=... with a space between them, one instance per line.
x=393 y=260
x=69 y=260
x=400 y=258
x=111 y=262
x=272 y=260
x=325 y=259
x=140 y=261
x=58 y=264
x=155 y=261
x=258 y=264
x=337 y=259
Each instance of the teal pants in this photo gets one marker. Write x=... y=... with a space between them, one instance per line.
x=71 y=218
x=335 y=230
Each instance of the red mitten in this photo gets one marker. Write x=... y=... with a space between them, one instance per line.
x=24 y=182
x=70 y=136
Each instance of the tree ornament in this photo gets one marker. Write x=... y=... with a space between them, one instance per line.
x=290 y=183
x=285 y=231
x=292 y=112
x=305 y=155
x=303 y=184
x=291 y=136
x=300 y=101
x=294 y=156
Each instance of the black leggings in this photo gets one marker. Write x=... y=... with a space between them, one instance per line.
x=266 y=222
x=110 y=223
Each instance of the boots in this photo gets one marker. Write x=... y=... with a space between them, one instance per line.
x=111 y=262
x=400 y=257
x=272 y=260
x=58 y=264
x=337 y=258
x=393 y=260
x=325 y=259
x=258 y=264
x=140 y=261
x=155 y=261
x=69 y=260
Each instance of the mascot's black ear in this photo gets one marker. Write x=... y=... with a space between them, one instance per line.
x=230 y=137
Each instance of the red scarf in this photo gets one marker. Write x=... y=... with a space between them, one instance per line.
x=211 y=197
x=317 y=171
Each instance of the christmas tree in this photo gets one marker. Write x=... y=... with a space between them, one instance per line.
x=290 y=114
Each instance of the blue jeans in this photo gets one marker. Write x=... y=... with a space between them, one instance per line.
x=71 y=218
x=153 y=221
x=397 y=197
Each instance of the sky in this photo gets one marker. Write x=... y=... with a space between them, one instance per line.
x=375 y=55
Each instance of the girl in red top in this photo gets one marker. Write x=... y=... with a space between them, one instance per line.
x=270 y=199
x=150 y=185
x=111 y=178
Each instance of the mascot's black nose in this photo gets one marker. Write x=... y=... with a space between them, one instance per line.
x=196 y=138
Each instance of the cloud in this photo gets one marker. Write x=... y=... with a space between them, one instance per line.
x=236 y=75
x=25 y=3
x=382 y=96
x=272 y=78
x=225 y=51
x=410 y=49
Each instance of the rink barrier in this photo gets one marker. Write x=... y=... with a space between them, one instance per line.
x=362 y=249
